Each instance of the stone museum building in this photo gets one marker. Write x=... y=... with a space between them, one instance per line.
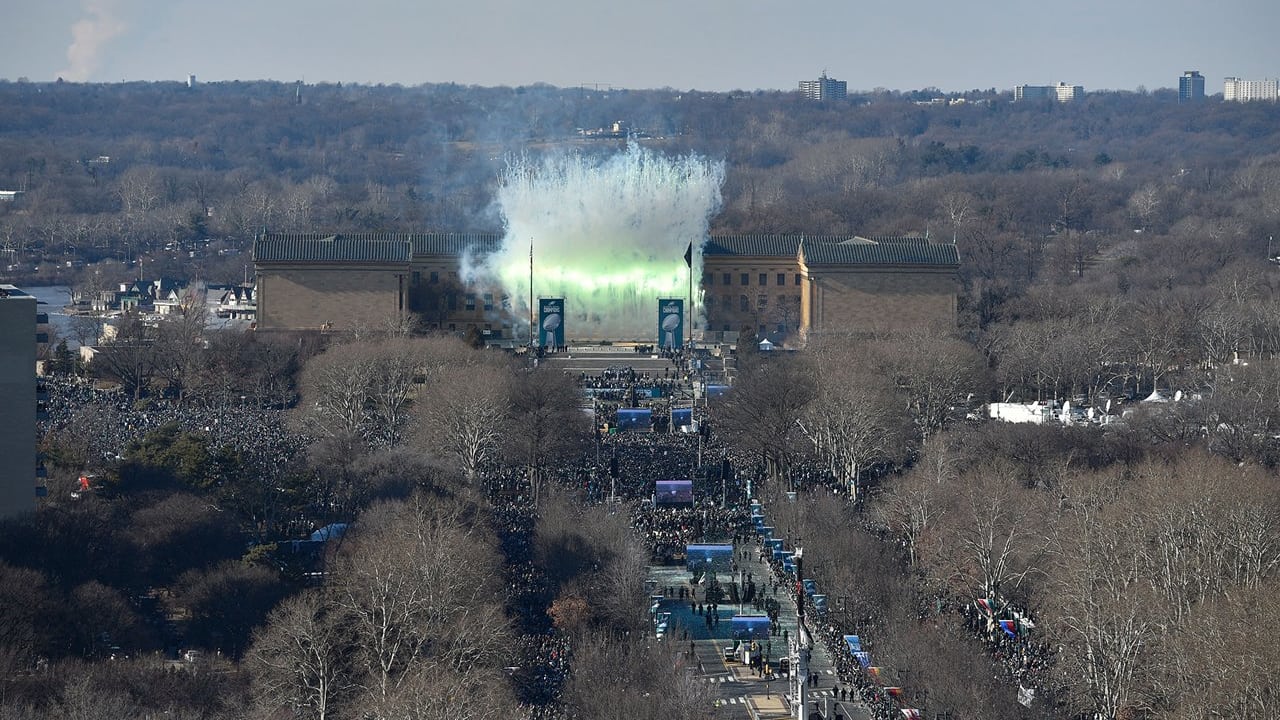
x=781 y=287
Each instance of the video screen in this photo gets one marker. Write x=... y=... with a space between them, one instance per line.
x=715 y=558
x=673 y=492
x=635 y=418
x=750 y=627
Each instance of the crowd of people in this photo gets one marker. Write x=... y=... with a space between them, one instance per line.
x=105 y=421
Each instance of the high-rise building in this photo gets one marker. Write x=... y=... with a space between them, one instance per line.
x=1061 y=92
x=1191 y=87
x=824 y=88
x=18 y=401
x=1068 y=93
x=1245 y=90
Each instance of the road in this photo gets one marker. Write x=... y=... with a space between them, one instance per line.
x=741 y=692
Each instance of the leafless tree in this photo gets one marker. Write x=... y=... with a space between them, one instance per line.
x=463 y=415
x=853 y=420
x=300 y=659
x=545 y=420
x=761 y=415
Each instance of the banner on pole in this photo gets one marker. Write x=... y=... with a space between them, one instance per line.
x=671 y=323
x=551 y=322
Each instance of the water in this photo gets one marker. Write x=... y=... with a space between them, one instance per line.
x=52 y=299
x=609 y=235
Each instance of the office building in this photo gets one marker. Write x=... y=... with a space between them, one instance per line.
x=824 y=88
x=18 y=402
x=1061 y=92
x=1235 y=89
x=1191 y=87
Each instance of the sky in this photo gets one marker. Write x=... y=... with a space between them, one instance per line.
x=715 y=45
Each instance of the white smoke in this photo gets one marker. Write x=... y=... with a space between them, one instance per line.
x=89 y=36
x=608 y=234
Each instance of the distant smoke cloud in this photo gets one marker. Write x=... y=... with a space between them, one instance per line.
x=609 y=235
x=89 y=36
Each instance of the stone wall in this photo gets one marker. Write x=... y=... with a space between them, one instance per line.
x=343 y=298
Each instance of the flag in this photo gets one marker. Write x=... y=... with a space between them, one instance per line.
x=986 y=605
x=911 y=713
x=1010 y=627
x=688 y=255
x=874 y=672
x=864 y=659
x=894 y=691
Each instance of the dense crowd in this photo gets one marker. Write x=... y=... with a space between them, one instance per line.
x=104 y=422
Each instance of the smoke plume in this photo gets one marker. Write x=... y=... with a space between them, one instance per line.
x=608 y=234
x=89 y=36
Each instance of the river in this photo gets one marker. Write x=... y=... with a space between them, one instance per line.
x=52 y=299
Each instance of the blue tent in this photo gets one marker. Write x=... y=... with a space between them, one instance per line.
x=329 y=532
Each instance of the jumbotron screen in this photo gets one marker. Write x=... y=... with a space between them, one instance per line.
x=715 y=558
x=673 y=492
x=750 y=627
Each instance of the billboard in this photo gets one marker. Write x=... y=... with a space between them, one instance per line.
x=671 y=323
x=682 y=417
x=551 y=322
x=673 y=492
x=714 y=558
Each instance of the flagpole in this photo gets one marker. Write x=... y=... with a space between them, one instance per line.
x=530 y=294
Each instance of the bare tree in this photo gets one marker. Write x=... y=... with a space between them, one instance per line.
x=463 y=416
x=762 y=414
x=300 y=659
x=545 y=420
x=853 y=421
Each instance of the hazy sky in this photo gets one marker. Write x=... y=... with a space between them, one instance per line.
x=683 y=44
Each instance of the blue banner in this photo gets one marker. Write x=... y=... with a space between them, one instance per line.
x=854 y=642
x=671 y=323
x=551 y=322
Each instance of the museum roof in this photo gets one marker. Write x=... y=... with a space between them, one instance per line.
x=880 y=253
x=366 y=247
